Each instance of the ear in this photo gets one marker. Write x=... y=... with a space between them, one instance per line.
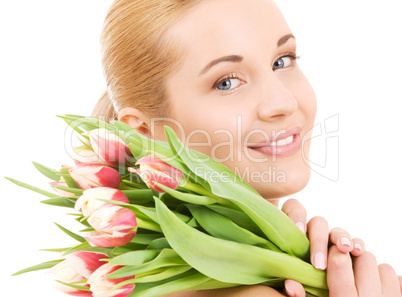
x=136 y=119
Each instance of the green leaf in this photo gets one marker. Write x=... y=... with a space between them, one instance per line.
x=148 y=225
x=71 y=234
x=58 y=250
x=75 y=191
x=189 y=280
x=161 y=274
x=68 y=179
x=48 y=172
x=166 y=258
x=62 y=202
x=233 y=262
x=238 y=217
x=159 y=244
x=88 y=229
x=134 y=184
x=186 y=197
x=81 y=123
x=78 y=287
x=220 y=226
x=32 y=188
x=145 y=238
x=130 y=247
x=140 y=196
x=41 y=266
x=135 y=257
x=88 y=248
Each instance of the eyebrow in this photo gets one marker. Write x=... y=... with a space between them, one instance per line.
x=231 y=58
x=237 y=58
x=284 y=39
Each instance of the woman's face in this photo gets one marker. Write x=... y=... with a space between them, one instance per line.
x=239 y=95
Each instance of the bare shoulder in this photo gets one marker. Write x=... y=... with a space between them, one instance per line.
x=243 y=291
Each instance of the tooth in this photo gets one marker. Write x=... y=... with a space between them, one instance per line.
x=282 y=142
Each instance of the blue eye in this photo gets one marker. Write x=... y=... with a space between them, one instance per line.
x=283 y=62
x=228 y=83
x=225 y=85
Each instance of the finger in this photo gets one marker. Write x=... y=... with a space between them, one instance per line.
x=367 y=276
x=389 y=281
x=358 y=247
x=318 y=235
x=400 y=282
x=340 y=276
x=294 y=288
x=341 y=239
x=296 y=212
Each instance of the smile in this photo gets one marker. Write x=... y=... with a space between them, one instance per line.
x=282 y=142
x=282 y=145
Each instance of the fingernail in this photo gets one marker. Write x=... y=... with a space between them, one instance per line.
x=346 y=242
x=319 y=261
x=358 y=247
x=289 y=291
x=301 y=227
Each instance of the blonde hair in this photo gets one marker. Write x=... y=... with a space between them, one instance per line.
x=137 y=56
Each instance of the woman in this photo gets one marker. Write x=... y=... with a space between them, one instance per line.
x=223 y=75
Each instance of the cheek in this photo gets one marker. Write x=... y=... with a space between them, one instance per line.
x=211 y=128
x=216 y=138
x=305 y=97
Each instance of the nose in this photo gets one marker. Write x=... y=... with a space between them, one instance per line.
x=277 y=101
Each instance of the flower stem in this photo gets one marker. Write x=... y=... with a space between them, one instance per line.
x=188 y=185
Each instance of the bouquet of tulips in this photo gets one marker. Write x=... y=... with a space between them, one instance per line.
x=158 y=218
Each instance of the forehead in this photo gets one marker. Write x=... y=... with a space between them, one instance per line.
x=222 y=27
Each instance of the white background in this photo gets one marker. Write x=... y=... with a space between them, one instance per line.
x=351 y=53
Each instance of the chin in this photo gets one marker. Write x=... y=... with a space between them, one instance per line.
x=282 y=187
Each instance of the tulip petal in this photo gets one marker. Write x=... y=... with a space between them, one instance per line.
x=85 y=263
x=91 y=201
x=107 y=240
x=109 y=147
x=113 y=218
x=102 y=286
x=152 y=169
x=84 y=155
x=66 y=274
x=94 y=175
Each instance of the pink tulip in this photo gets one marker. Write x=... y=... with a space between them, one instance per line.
x=102 y=286
x=89 y=176
x=114 y=225
x=109 y=147
x=85 y=263
x=152 y=169
x=89 y=202
x=77 y=267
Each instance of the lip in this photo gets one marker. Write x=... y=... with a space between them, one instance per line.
x=279 y=151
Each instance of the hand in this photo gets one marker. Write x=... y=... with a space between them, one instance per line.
x=360 y=276
x=319 y=235
x=320 y=238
